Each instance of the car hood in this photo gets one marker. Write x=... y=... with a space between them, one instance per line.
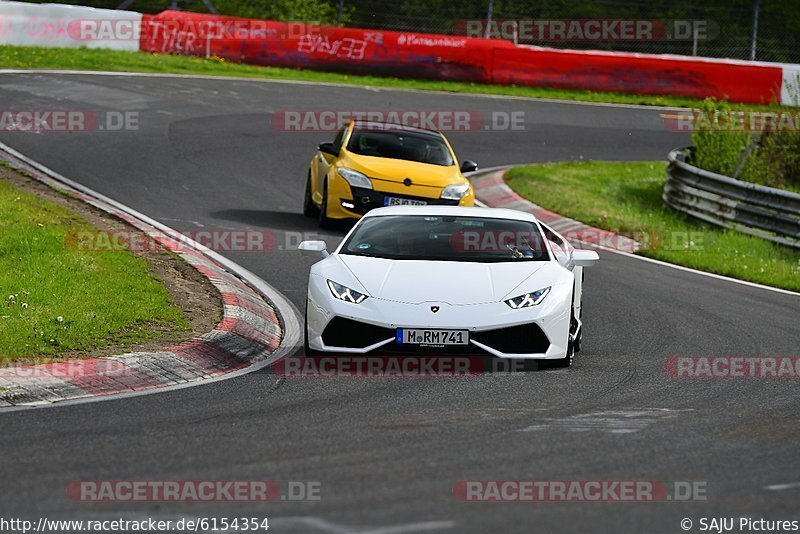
x=395 y=170
x=452 y=282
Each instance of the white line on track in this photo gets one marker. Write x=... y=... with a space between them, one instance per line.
x=781 y=487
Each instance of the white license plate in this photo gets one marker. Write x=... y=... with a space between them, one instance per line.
x=394 y=201
x=417 y=336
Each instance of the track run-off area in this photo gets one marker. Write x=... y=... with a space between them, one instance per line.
x=387 y=453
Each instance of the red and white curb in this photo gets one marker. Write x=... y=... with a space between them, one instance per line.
x=492 y=190
x=258 y=324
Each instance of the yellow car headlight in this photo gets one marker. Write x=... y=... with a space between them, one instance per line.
x=355 y=178
x=455 y=192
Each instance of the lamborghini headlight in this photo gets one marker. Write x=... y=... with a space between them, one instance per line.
x=355 y=178
x=345 y=293
x=528 y=299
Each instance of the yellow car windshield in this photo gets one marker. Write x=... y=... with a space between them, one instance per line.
x=422 y=147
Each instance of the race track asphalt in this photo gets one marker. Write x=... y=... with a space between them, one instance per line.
x=387 y=453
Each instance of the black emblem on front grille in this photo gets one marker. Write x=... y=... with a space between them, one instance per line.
x=407 y=182
x=434 y=309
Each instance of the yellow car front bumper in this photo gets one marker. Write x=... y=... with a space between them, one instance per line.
x=347 y=202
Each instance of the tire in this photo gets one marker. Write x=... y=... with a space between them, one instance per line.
x=309 y=209
x=569 y=357
x=324 y=221
x=579 y=339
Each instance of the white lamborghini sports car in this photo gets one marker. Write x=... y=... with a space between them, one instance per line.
x=447 y=280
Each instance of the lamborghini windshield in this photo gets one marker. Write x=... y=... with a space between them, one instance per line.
x=447 y=238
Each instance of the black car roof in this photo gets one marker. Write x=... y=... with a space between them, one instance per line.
x=373 y=125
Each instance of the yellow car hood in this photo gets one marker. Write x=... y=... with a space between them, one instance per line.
x=397 y=170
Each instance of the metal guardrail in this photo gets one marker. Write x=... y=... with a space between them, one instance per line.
x=753 y=209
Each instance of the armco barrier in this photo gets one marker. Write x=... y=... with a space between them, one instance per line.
x=765 y=212
x=64 y=26
x=444 y=57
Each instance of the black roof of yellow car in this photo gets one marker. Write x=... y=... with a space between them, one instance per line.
x=375 y=125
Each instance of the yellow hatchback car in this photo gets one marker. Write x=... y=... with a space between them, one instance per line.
x=372 y=164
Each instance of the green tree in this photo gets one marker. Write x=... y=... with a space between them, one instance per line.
x=320 y=11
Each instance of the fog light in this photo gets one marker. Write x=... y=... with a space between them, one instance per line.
x=348 y=205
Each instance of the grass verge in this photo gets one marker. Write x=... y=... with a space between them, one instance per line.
x=626 y=197
x=14 y=57
x=58 y=301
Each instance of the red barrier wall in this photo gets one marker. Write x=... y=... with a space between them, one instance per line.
x=320 y=47
x=637 y=73
x=454 y=58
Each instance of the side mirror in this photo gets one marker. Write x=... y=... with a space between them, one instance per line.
x=327 y=148
x=469 y=166
x=585 y=258
x=314 y=248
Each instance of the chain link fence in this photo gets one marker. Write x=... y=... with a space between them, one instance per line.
x=711 y=29
x=715 y=28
